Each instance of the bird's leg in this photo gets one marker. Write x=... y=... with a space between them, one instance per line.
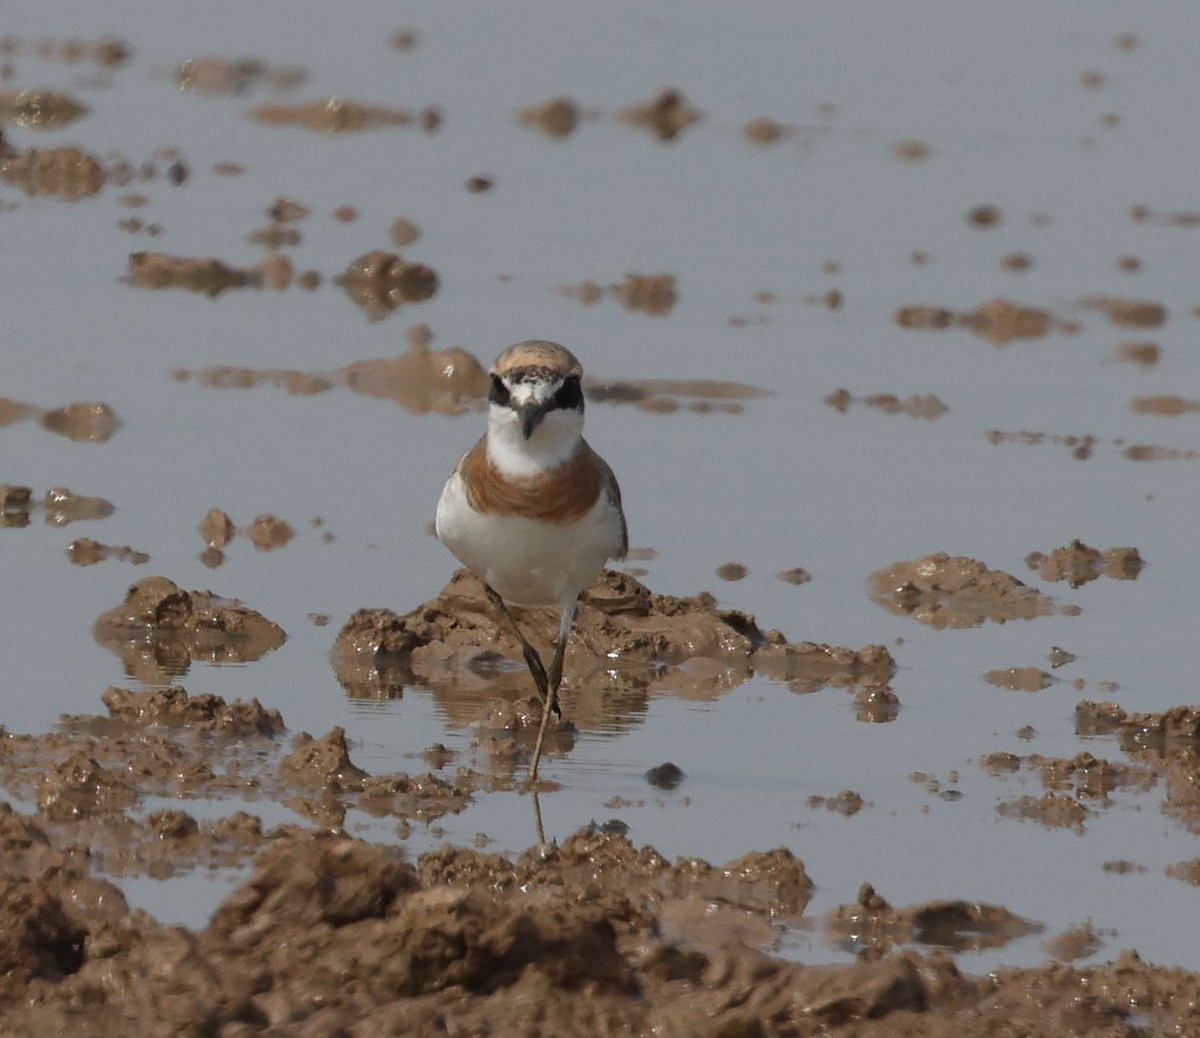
x=532 y=660
x=555 y=680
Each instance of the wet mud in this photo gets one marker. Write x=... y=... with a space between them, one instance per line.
x=80 y=421
x=1078 y=564
x=333 y=935
x=159 y=630
x=629 y=645
x=953 y=591
x=665 y=116
x=999 y=322
x=87 y=552
x=329 y=934
x=342 y=115
x=60 y=506
x=216 y=529
x=652 y=294
x=926 y=405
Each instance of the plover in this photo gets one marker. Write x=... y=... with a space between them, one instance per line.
x=531 y=509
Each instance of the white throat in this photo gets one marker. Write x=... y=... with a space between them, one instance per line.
x=554 y=441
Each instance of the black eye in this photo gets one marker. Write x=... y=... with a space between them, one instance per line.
x=569 y=395
x=498 y=391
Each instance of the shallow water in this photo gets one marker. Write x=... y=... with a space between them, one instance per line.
x=1051 y=115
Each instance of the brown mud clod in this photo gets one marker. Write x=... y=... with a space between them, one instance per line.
x=160 y=629
x=666 y=115
x=67 y=173
x=925 y=405
x=999 y=321
x=1078 y=564
x=954 y=591
x=556 y=117
x=381 y=282
x=87 y=422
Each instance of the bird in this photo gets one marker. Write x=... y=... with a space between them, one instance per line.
x=531 y=509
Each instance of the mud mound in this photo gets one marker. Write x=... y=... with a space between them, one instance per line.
x=690 y=645
x=160 y=629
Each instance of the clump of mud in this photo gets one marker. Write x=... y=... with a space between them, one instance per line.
x=1128 y=313
x=216 y=529
x=67 y=172
x=926 y=405
x=40 y=109
x=652 y=294
x=84 y=551
x=1019 y=679
x=209 y=276
x=381 y=282
x=666 y=115
x=628 y=644
x=1074 y=788
x=160 y=629
x=954 y=591
x=1000 y=321
x=1079 y=564
x=60 y=506
x=557 y=117
x=79 y=421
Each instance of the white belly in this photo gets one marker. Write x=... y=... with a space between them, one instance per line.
x=527 y=562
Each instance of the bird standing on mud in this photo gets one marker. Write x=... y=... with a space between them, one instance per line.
x=531 y=509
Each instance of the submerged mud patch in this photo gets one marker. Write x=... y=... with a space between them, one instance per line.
x=953 y=591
